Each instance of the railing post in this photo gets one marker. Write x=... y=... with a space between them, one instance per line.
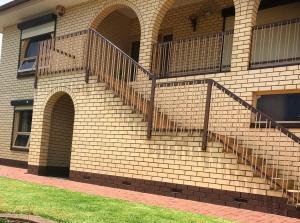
x=151 y=107
x=87 y=59
x=206 y=115
x=37 y=67
x=222 y=51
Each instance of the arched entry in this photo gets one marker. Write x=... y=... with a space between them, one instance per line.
x=122 y=27
x=58 y=134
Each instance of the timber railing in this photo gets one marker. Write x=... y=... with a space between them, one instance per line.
x=62 y=54
x=198 y=55
x=111 y=65
x=89 y=52
x=276 y=44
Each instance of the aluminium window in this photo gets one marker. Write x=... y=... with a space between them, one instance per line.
x=22 y=128
x=29 y=52
x=32 y=33
x=283 y=108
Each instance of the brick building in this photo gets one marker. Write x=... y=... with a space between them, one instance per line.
x=198 y=99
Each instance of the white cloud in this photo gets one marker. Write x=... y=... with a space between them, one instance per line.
x=2 y=2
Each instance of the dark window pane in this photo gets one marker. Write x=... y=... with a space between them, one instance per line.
x=22 y=140
x=27 y=64
x=285 y=107
x=32 y=49
x=25 y=121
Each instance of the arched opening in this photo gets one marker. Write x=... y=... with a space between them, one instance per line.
x=58 y=134
x=276 y=34
x=194 y=37
x=122 y=28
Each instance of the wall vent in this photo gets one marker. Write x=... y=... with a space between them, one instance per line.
x=86 y=177
x=176 y=191
x=241 y=200
x=127 y=183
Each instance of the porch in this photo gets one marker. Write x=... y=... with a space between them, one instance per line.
x=194 y=38
x=205 y=46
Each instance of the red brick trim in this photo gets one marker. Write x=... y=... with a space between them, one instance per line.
x=254 y=202
x=13 y=163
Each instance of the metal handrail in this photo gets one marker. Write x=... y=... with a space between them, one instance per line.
x=198 y=37
x=124 y=53
x=275 y=24
x=236 y=98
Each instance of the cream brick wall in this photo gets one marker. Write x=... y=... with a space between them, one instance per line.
x=109 y=138
x=11 y=88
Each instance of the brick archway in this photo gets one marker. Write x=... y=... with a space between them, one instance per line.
x=121 y=23
x=159 y=16
x=113 y=6
x=57 y=134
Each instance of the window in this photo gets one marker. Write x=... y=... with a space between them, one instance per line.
x=32 y=33
x=29 y=52
x=283 y=108
x=22 y=128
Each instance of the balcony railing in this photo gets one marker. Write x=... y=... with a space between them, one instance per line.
x=203 y=54
x=62 y=54
x=276 y=44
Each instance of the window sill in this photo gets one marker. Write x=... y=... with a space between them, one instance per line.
x=23 y=74
x=19 y=149
x=286 y=125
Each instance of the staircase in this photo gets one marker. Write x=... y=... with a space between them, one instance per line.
x=262 y=169
x=221 y=113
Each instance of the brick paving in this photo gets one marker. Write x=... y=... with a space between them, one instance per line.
x=230 y=213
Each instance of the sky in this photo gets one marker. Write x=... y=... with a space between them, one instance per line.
x=1 y=3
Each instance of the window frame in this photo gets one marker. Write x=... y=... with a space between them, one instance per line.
x=22 y=61
x=262 y=124
x=22 y=58
x=30 y=24
x=15 y=129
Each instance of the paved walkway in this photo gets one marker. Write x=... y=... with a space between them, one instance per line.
x=239 y=215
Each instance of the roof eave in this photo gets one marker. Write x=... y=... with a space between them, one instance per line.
x=12 y=4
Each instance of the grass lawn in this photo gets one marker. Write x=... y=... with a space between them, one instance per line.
x=66 y=206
